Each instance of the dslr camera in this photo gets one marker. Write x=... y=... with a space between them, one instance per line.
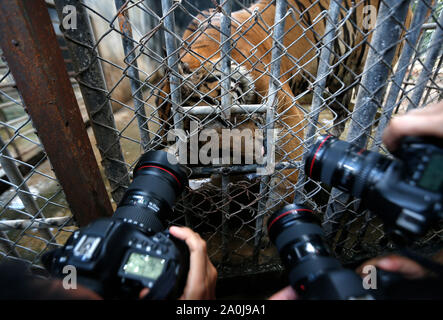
x=313 y=272
x=119 y=256
x=407 y=191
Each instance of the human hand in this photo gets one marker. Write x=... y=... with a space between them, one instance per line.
x=427 y=121
x=287 y=293
x=202 y=275
x=395 y=263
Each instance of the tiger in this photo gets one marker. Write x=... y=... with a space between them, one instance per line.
x=251 y=56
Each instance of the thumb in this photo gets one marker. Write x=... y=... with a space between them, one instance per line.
x=403 y=265
x=286 y=293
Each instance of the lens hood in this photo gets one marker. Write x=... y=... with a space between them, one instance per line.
x=288 y=215
x=160 y=160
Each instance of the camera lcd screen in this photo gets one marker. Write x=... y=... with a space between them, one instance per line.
x=144 y=265
x=432 y=178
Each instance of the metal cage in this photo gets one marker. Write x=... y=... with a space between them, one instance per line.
x=155 y=75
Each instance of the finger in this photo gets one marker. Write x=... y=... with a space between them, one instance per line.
x=371 y=262
x=429 y=109
x=196 y=245
x=412 y=125
x=423 y=121
x=212 y=274
x=197 y=263
x=403 y=265
x=286 y=293
x=143 y=293
x=180 y=232
x=395 y=263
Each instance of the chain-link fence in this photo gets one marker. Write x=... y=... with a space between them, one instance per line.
x=190 y=75
x=34 y=214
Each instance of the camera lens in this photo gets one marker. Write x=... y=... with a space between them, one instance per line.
x=313 y=272
x=344 y=165
x=156 y=185
x=296 y=232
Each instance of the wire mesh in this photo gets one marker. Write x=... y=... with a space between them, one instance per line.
x=174 y=74
x=34 y=215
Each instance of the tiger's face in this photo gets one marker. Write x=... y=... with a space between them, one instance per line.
x=202 y=88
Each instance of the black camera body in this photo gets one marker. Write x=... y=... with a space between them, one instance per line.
x=406 y=191
x=315 y=274
x=117 y=260
x=119 y=256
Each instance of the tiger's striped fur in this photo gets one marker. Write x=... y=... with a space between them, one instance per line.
x=251 y=55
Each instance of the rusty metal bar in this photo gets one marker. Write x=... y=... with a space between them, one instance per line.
x=234 y=109
x=380 y=56
x=197 y=172
x=274 y=87
x=225 y=35
x=81 y=46
x=431 y=57
x=172 y=60
x=30 y=46
x=434 y=77
x=428 y=26
x=404 y=61
x=133 y=74
x=383 y=45
x=324 y=70
x=318 y=103
x=226 y=103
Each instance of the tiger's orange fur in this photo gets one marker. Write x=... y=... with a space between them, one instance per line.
x=251 y=52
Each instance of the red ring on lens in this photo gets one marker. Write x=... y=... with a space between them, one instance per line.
x=285 y=214
x=173 y=175
x=315 y=154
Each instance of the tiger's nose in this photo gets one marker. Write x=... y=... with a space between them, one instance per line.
x=218 y=123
